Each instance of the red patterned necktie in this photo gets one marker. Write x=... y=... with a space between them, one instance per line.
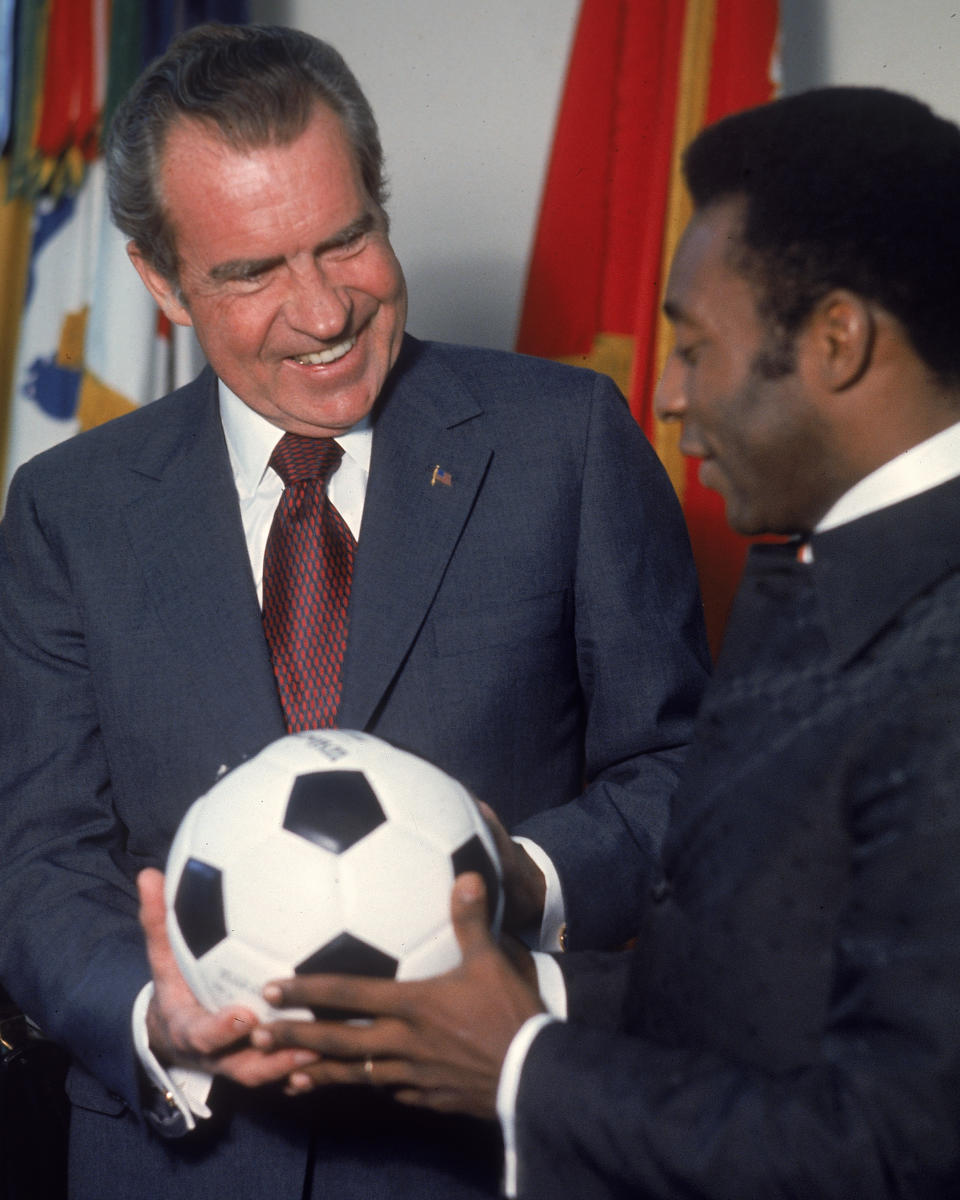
x=307 y=569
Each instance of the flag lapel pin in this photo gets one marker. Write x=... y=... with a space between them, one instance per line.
x=441 y=476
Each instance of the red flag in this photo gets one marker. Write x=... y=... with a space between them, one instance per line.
x=642 y=79
x=71 y=107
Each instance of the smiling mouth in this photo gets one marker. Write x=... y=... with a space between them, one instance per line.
x=689 y=450
x=322 y=358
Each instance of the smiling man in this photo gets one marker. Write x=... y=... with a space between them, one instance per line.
x=787 y=1024
x=760 y=443
x=471 y=554
x=285 y=271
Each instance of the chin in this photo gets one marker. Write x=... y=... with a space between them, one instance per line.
x=745 y=523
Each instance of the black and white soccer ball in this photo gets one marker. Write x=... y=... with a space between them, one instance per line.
x=330 y=851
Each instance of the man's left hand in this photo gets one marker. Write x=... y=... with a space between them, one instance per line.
x=437 y=1043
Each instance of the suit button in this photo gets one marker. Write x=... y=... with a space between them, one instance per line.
x=661 y=891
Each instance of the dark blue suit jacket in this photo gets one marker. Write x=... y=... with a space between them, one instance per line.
x=531 y=627
x=789 y=1024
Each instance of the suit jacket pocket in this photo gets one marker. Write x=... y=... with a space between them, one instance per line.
x=499 y=624
x=86 y=1092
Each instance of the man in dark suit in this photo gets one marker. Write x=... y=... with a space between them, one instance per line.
x=523 y=612
x=787 y=1025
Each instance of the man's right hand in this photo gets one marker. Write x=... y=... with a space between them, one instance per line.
x=185 y=1034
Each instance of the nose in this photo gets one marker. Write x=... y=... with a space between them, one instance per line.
x=314 y=305
x=669 y=400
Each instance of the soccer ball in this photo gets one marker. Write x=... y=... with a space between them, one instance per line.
x=330 y=851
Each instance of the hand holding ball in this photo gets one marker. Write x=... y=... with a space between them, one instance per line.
x=331 y=851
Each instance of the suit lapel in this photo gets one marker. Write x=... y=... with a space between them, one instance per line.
x=411 y=525
x=186 y=531
x=187 y=534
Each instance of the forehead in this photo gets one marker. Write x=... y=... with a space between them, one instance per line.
x=207 y=183
x=704 y=287
x=201 y=141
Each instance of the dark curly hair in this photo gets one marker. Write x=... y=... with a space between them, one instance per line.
x=253 y=84
x=849 y=187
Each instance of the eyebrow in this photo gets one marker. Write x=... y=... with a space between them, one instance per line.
x=238 y=268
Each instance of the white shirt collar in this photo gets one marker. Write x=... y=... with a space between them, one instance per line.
x=251 y=439
x=916 y=470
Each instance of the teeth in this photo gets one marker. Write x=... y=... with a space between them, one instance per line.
x=322 y=357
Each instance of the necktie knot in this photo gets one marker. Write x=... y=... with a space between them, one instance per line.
x=297 y=458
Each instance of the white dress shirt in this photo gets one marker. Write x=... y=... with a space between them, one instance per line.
x=916 y=470
x=251 y=439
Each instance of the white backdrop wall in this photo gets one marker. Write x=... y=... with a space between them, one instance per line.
x=466 y=94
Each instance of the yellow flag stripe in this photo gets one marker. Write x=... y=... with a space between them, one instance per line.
x=99 y=403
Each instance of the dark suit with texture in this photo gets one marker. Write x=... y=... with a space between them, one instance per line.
x=793 y=1007
x=533 y=625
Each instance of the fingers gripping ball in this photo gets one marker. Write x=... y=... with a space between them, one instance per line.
x=331 y=851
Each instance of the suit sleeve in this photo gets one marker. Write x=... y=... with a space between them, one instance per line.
x=642 y=661
x=72 y=951
x=872 y=1114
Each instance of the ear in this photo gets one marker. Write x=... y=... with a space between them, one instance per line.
x=159 y=287
x=841 y=335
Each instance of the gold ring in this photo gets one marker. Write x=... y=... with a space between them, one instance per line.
x=368 y=1069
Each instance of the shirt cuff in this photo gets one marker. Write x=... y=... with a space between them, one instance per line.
x=184 y=1089
x=551 y=985
x=554 y=913
x=507 y=1094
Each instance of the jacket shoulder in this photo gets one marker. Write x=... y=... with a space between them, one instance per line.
x=124 y=436
x=483 y=365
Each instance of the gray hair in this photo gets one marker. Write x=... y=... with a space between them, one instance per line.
x=254 y=85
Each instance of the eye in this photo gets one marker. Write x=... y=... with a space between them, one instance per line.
x=245 y=277
x=687 y=353
x=248 y=279
x=350 y=246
